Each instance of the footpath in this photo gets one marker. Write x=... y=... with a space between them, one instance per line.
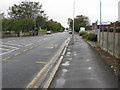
x=82 y=67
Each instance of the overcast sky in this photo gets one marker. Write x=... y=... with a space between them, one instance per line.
x=61 y=10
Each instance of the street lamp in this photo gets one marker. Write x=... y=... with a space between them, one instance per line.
x=73 y=22
x=100 y=12
x=100 y=20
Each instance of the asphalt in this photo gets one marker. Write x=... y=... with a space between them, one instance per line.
x=83 y=68
x=24 y=57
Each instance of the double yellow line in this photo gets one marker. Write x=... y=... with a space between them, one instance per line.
x=37 y=76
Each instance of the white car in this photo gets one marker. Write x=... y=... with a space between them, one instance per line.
x=48 y=32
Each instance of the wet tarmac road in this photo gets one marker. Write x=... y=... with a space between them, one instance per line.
x=24 y=57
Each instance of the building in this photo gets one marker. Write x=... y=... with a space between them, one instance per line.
x=119 y=11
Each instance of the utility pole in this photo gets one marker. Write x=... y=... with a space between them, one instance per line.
x=100 y=20
x=34 y=32
x=73 y=22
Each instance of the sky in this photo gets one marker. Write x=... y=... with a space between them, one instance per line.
x=61 y=10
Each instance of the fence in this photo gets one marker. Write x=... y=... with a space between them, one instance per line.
x=109 y=39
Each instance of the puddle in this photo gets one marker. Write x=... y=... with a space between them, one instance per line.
x=68 y=53
x=68 y=49
x=61 y=81
x=89 y=68
x=88 y=60
x=75 y=54
x=65 y=70
x=66 y=63
x=69 y=58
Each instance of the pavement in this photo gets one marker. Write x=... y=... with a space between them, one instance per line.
x=23 y=58
x=83 y=68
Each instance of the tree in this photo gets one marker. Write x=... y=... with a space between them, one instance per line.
x=79 y=21
x=24 y=25
x=25 y=10
x=54 y=26
x=7 y=25
x=41 y=22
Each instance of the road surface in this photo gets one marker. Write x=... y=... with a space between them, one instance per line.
x=24 y=57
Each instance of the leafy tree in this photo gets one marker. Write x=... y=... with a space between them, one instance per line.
x=24 y=25
x=7 y=25
x=25 y=10
x=79 y=21
x=41 y=22
x=54 y=26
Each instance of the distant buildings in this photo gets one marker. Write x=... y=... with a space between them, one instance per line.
x=119 y=11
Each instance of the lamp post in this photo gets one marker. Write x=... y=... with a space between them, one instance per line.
x=73 y=22
x=100 y=20
x=35 y=25
x=100 y=12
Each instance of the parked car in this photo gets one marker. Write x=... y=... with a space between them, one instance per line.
x=48 y=32
x=70 y=32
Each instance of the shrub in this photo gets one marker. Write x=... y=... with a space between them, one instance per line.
x=92 y=37
x=82 y=33
x=85 y=35
x=43 y=30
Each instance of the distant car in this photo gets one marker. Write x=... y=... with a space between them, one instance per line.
x=70 y=32
x=48 y=32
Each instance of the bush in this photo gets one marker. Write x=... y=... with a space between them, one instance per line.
x=92 y=37
x=82 y=33
x=42 y=30
x=85 y=35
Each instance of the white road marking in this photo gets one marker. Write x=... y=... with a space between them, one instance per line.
x=4 y=49
x=8 y=52
x=12 y=44
x=13 y=49
x=29 y=44
x=9 y=46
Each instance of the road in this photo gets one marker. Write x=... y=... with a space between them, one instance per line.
x=24 y=57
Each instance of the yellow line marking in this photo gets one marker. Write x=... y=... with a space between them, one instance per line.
x=25 y=50
x=50 y=47
x=17 y=53
x=5 y=59
x=37 y=76
x=41 y=62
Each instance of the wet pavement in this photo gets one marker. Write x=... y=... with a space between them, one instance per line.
x=82 y=67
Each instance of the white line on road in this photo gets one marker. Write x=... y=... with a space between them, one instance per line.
x=9 y=46
x=8 y=52
x=29 y=44
x=4 y=49
x=12 y=44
